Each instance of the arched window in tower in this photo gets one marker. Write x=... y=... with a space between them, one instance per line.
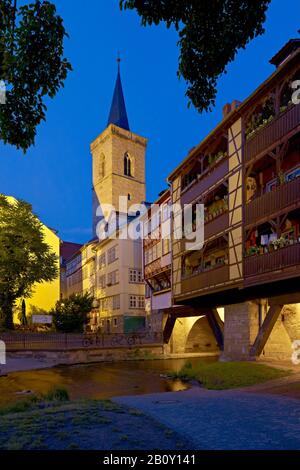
x=102 y=166
x=127 y=165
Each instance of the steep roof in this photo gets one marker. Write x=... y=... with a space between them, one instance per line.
x=118 y=113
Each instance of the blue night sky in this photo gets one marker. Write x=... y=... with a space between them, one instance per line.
x=55 y=175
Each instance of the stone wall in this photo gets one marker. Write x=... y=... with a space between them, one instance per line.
x=285 y=331
x=241 y=328
x=87 y=356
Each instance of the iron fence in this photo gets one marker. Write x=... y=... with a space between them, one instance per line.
x=20 y=341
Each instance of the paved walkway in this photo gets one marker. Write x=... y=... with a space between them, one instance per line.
x=225 y=419
x=19 y=364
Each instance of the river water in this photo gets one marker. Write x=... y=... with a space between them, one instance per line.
x=98 y=381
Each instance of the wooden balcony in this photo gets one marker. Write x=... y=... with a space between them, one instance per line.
x=155 y=268
x=209 y=279
x=279 y=264
x=280 y=126
x=285 y=196
x=216 y=225
x=212 y=227
x=204 y=182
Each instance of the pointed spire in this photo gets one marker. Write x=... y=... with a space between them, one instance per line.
x=118 y=113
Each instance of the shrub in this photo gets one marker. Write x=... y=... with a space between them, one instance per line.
x=71 y=315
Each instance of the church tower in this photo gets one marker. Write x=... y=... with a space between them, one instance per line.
x=118 y=159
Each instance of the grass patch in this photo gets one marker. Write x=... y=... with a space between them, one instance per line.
x=57 y=395
x=227 y=375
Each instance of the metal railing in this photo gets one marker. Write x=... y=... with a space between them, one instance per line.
x=20 y=341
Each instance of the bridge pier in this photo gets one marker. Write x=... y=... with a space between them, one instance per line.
x=260 y=329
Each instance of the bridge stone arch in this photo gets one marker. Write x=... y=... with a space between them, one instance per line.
x=196 y=334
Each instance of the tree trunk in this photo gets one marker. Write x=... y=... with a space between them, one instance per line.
x=7 y=316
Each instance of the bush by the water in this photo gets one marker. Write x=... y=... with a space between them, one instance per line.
x=71 y=315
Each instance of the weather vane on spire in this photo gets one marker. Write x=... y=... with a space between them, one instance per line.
x=118 y=59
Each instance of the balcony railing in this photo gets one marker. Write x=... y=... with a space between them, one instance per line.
x=206 y=279
x=155 y=268
x=272 y=132
x=282 y=197
x=215 y=174
x=211 y=227
x=268 y=262
x=216 y=225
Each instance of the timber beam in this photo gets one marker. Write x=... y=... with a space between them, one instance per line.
x=265 y=330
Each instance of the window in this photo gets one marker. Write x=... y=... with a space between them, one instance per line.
x=127 y=165
x=112 y=255
x=166 y=212
x=148 y=291
x=102 y=166
x=115 y=322
x=141 y=301
x=135 y=276
x=166 y=246
x=132 y=301
x=104 y=304
x=113 y=278
x=116 y=302
x=101 y=281
x=102 y=260
x=136 y=301
x=295 y=173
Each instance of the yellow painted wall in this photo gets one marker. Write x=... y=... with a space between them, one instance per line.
x=46 y=294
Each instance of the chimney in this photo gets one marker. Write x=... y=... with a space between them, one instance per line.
x=230 y=107
x=235 y=104
x=226 y=109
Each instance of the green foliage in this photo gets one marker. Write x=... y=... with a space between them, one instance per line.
x=25 y=257
x=70 y=315
x=210 y=34
x=32 y=66
x=57 y=394
x=227 y=375
x=37 y=401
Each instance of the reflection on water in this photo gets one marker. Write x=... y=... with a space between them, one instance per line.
x=101 y=380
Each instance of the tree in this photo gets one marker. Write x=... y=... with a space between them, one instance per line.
x=210 y=33
x=31 y=65
x=25 y=258
x=71 y=314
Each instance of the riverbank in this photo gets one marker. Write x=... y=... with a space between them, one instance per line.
x=35 y=360
x=227 y=419
x=199 y=419
x=85 y=425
